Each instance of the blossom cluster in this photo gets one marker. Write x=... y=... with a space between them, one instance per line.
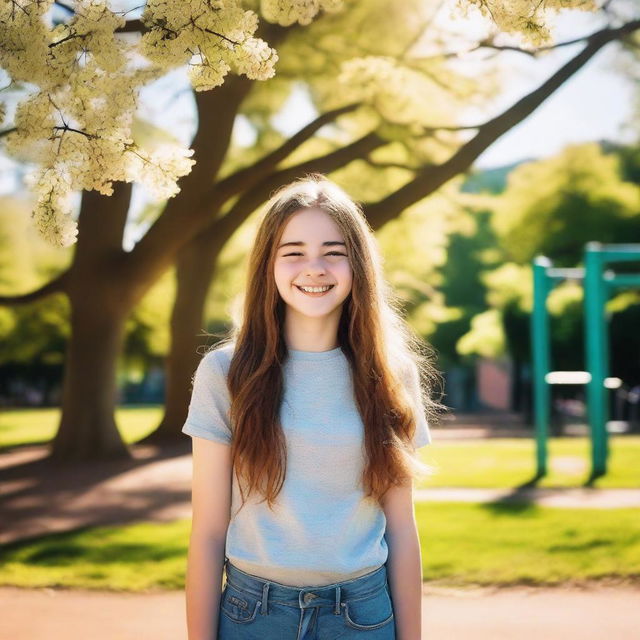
x=287 y=12
x=75 y=129
x=212 y=36
x=529 y=19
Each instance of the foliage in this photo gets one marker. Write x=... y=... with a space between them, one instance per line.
x=485 y=337
x=38 y=331
x=525 y=17
x=35 y=332
x=553 y=207
x=76 y=127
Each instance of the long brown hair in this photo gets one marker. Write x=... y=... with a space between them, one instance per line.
x=379 y=345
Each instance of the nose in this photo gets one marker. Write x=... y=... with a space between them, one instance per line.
x=315 y=266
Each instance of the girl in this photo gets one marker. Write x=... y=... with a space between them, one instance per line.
x=305 y=423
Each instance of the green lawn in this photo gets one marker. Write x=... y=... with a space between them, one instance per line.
x=502 y=544
x=27 y=426
x=462 y=544
x=495 y=462
x=510 y=462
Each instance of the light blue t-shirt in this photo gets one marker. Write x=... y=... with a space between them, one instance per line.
x=322 y=528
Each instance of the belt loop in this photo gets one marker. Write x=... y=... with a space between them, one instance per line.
x=264 y=610
x=337 y=609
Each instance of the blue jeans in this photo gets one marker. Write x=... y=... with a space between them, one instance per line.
x=252 y=608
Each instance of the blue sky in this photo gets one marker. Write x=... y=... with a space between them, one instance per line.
x=594 y=104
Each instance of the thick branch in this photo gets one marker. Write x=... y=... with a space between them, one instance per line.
x=188 y=212
x=57 y=285
x=133 y=26
x=248 y=176
x=253 y=198
x=430 y=178
x=62 y=5
x=390 y=165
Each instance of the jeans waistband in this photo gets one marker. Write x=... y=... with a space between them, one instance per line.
x=304 y=597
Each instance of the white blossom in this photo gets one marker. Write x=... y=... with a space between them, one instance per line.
x=523 y=16
x=52 y=214
x=287 y=12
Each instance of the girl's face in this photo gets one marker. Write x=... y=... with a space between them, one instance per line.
x=312 y=253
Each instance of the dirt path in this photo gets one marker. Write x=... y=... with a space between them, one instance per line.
x=509 y=614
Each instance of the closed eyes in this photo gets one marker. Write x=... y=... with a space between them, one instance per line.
x=331 y=253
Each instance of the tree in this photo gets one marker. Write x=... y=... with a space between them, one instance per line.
x=553 y=207
x=556 y=205
x=439 y=165
x=104 y=282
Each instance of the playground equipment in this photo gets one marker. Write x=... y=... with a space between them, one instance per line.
x=597 y=284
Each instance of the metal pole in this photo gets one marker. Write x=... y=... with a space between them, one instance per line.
x=541 y=357
x=596 y=355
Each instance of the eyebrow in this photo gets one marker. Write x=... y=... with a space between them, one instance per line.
x=299 y=243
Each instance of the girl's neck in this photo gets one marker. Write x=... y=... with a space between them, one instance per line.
x=311 y=334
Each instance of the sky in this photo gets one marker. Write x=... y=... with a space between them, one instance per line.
x=594 y=104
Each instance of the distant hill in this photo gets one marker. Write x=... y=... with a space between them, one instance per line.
x=490 y=180
x=494 y=180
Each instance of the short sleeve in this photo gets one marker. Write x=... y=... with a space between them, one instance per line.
x=208 y=415
x=422 y=434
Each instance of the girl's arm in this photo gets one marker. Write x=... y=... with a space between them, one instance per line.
x=404 y=564
x=211 y=505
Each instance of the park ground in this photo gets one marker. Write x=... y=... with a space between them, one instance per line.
x=59 y=514
x=518 y=613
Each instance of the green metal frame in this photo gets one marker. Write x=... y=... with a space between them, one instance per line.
x=598 y=284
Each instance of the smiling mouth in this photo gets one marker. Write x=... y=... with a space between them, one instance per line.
x=316 y=294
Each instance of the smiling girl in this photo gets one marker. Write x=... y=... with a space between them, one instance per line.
x=305 y=423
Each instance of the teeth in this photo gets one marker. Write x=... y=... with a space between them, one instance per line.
x=316 y=289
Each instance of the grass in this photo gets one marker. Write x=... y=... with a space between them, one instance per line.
x=509 y=545
x=490 y=463
x=499 y=544
x=510 y=462
x=463 y=544
x=131 y=558
x=32 y=426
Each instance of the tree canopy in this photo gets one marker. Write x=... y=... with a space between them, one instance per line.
x=76 y=127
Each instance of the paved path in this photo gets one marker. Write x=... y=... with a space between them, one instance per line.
x=485 y=614
x=37 y=497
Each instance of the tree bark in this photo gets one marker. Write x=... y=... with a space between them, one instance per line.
x=100 y=302
x=87 y=427
x=194 y=273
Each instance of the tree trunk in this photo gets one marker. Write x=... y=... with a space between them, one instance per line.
x=194 y=273
x=100 y=300
x=87 y=427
